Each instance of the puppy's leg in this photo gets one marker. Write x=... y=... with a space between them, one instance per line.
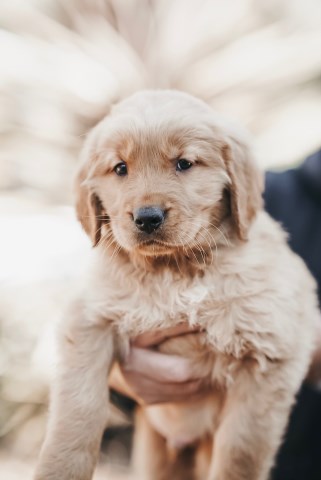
x=253 y=421
x=78 y=410
x=150 y=458
x=203 y=456
x=153 y=459
x=183 y=465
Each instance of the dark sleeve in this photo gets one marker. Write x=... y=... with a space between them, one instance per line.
x=289 y=201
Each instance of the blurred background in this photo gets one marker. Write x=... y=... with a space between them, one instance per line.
x=63 y=63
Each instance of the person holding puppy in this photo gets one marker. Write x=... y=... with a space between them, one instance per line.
x=293 y=198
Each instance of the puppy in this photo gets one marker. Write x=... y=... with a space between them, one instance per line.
x=171 y=198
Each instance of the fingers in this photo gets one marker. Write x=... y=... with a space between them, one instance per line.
x=151 y=339
x=159 y=367
x=150 y=392
x=117 y=381
x=314 y=373
x=151 y=377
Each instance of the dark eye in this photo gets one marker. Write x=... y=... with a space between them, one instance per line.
x=121 y=169
x=183 y=164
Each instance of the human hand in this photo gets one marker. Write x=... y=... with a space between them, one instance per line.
x=314 y=373
x=152 y=377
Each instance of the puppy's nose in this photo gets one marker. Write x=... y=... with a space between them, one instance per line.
x=149 y=219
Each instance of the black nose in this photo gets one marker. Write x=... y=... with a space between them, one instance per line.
x=149 y=219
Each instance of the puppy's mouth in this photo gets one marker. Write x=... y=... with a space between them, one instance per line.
x=155 y=247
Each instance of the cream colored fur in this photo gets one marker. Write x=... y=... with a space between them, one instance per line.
x=218 y=262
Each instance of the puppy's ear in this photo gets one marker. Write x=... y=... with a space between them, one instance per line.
x=246 y=185
x=89 y=208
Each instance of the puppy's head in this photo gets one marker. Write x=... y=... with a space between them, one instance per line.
x=161 y=173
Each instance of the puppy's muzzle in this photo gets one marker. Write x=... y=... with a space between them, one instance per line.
x=149 y=219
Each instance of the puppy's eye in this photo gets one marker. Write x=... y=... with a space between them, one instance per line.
x=121 y=169
x=183 y=164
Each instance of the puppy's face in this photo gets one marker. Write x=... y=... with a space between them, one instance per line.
x=156 y=174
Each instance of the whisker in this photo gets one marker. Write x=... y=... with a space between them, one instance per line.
x=215 y=244
x=105 y=236
x=116 y=251
x=228 y=243
x=176 y=261
x=192 y=253
x=197 y=247
x=182 y=244
x=208 y=243
x=109 y=243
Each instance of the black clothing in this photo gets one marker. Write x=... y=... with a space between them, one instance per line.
x=293 y=198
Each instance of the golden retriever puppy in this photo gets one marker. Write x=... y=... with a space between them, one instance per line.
x=171 y=198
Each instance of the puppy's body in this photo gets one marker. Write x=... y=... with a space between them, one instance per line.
x=259 y=333
x=219 y=263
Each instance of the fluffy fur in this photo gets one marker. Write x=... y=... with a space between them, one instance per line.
x=218 y=262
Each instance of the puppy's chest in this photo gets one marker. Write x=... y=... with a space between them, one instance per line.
x=160 y=303
x=136 y=306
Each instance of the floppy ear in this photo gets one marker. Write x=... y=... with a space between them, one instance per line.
x=89 y=208
x=246 y=185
